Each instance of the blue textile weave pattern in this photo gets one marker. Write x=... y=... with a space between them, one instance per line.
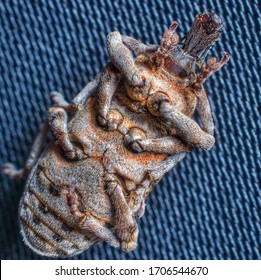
x=208 y=206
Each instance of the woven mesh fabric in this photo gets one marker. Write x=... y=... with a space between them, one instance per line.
x=208 y=207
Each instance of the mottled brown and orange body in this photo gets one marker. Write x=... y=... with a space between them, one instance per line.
x=116 y=140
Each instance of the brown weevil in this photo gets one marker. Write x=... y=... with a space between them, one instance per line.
x=116 y=140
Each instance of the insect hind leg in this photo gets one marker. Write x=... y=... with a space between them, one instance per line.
x=123 y=216
x=88 y=222
x=10 y=169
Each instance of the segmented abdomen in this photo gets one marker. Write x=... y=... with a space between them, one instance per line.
x=47 y=226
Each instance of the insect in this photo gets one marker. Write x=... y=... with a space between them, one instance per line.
x=115 y=140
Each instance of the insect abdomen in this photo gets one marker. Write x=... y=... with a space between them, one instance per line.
x=46 y=225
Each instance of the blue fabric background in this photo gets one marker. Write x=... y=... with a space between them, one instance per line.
x=208 y=207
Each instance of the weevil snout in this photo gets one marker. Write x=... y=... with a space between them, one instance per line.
x=210 y=22
x=205 y=30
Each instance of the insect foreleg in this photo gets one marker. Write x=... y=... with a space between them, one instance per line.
x=205 y=113
x=138 y=47
x=203 y=103
x=186 y=128
x=122 y=58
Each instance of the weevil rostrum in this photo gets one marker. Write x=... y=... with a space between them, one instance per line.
x=115 y=140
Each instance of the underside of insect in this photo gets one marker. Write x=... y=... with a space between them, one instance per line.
x=115 y=140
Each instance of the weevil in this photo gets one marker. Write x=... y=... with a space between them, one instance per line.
x=115 y=141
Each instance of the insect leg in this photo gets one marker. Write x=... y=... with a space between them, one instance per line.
x=123 y=216
x=136 y=200
x=96 y=227
x=154 y=176
x=109 y=81
x=203 y=103
x=137 y=197
x=138 y=47
x=10 y=169
x=57 y=118
x=86 y=92
x=186 y=128
x=157 y=173
x=205 y=112
x=165 y=145
x=122 y=58
x=58 y=100
x=88 y=222
x=136 y=140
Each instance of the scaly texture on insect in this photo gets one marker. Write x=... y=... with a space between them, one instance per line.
x=115 y=140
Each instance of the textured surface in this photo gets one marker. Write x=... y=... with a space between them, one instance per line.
x=208 y=207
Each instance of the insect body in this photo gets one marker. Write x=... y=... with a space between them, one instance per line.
x=116 y=140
